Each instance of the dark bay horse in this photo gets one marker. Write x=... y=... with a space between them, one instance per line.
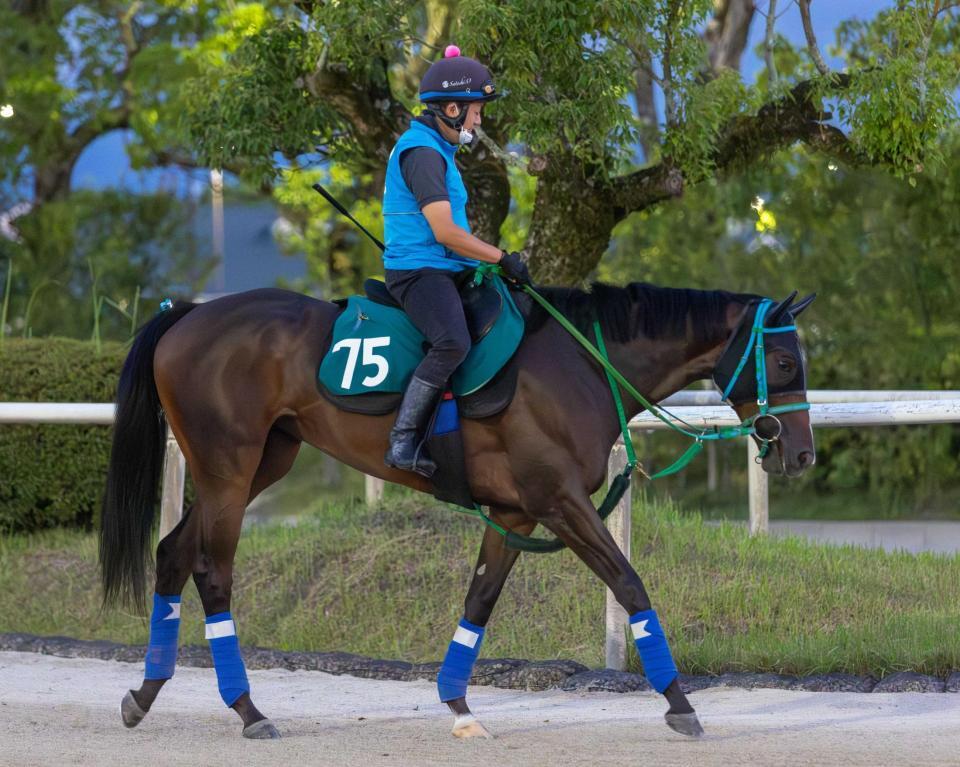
x=236 y=379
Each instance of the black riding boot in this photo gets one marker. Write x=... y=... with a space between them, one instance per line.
x=419 y=402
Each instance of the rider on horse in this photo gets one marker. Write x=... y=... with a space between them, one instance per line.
x=428 y=239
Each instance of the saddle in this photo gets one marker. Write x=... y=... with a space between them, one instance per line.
x=373 y=349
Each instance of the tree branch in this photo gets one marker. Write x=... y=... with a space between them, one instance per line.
x=440 y=18
x=666 y=64
x=768 y=43
x=507 y=158
x=374 y=118
x=727 y=33
x=811 y=37
x=796 y=117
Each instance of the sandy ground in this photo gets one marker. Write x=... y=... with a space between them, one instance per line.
x=58 y=711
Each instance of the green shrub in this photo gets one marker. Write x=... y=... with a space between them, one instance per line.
x=53 y=475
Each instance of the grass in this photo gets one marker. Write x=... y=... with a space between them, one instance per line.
x=390 y=583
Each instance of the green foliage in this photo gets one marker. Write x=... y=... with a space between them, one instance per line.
x=53 y=475
x=358 y=35
x=83 y=263
x=258 y=103
x=705 y=109
x=339 y=256
x=566 y=79
x=904 y=97
x=523 y=190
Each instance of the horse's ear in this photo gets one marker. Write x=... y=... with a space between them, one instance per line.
x=802 y=304
x=775 y=314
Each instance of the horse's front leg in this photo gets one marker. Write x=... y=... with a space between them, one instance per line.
x=570 y=515
x=493 y=566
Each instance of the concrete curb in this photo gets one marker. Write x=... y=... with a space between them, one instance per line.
x=508 y=673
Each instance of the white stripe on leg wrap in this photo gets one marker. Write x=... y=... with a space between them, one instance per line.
x=221 y=629
x=466 y=637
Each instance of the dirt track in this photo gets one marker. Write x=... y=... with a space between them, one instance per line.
x=56 y=711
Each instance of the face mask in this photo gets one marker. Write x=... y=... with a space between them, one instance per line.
x=466 y=137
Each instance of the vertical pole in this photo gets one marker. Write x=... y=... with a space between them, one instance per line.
x=372 y=490
x=171 y=499
x=758 y=490
x=711 y=450
x=712 y=466
x=618 y=523
x=216 y=208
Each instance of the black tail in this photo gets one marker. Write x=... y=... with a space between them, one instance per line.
x=136 y=461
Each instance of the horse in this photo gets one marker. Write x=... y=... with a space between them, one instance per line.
x=236 y=380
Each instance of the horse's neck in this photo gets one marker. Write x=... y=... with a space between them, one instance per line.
x=661 y=367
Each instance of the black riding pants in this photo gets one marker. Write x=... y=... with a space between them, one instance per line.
x=432 y=302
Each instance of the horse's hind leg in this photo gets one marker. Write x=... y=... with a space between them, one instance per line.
x=175 y=557
x=223 y=506
x=493 y=566
x=573 y=519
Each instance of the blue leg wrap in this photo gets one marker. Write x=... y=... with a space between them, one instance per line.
x=458 y=663
x=654 y=651
x=164 y=631
x=231 y=674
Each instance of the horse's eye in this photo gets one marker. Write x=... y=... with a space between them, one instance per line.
x=785 y=365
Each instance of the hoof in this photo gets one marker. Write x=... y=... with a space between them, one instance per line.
x=467 y=726
x=685 y=724
x=130 y=712
x=262 y=730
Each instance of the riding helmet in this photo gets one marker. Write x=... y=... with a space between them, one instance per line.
x=457 y=78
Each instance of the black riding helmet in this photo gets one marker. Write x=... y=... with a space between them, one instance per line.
x=456 y=78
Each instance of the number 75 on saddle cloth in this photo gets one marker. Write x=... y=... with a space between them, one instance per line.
x=375 y=348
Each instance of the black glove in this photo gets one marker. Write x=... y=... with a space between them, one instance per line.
x=514 y=268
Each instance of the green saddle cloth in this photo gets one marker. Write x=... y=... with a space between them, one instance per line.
x=375 y=348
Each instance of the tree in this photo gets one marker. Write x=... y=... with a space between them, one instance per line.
x=69 y=74
x=73 y=72
x=581 y=80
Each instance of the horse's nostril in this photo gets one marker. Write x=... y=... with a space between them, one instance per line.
x=806 y=458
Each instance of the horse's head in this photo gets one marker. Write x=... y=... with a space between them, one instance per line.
x=770 y=397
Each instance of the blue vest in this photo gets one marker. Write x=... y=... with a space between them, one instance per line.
x=409 y=238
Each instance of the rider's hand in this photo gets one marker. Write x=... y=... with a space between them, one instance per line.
x=514 y=268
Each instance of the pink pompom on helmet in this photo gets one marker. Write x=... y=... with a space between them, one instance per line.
x=450 y=51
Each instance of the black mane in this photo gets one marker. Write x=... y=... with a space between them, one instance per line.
x=640 y=308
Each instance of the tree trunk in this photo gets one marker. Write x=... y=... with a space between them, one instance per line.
x=573 y=217
x=52 y=180
x=485 y=177
x=727 y=32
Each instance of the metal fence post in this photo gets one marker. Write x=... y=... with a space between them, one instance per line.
x=171 y=498
x=759 y=492
x=618 y=523
x=372 y=490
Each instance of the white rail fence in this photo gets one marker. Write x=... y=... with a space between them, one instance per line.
x=829 y=408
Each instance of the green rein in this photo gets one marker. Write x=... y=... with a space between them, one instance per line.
x=621 y=482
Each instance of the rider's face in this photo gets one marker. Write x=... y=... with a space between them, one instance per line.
x=473 y=115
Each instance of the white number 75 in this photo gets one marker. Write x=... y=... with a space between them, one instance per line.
x=369 y=358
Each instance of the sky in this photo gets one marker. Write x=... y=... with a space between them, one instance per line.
x=104 y=163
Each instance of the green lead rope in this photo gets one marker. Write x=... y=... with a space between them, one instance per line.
x=621 y=482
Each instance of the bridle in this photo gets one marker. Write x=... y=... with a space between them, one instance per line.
x=766 y=436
